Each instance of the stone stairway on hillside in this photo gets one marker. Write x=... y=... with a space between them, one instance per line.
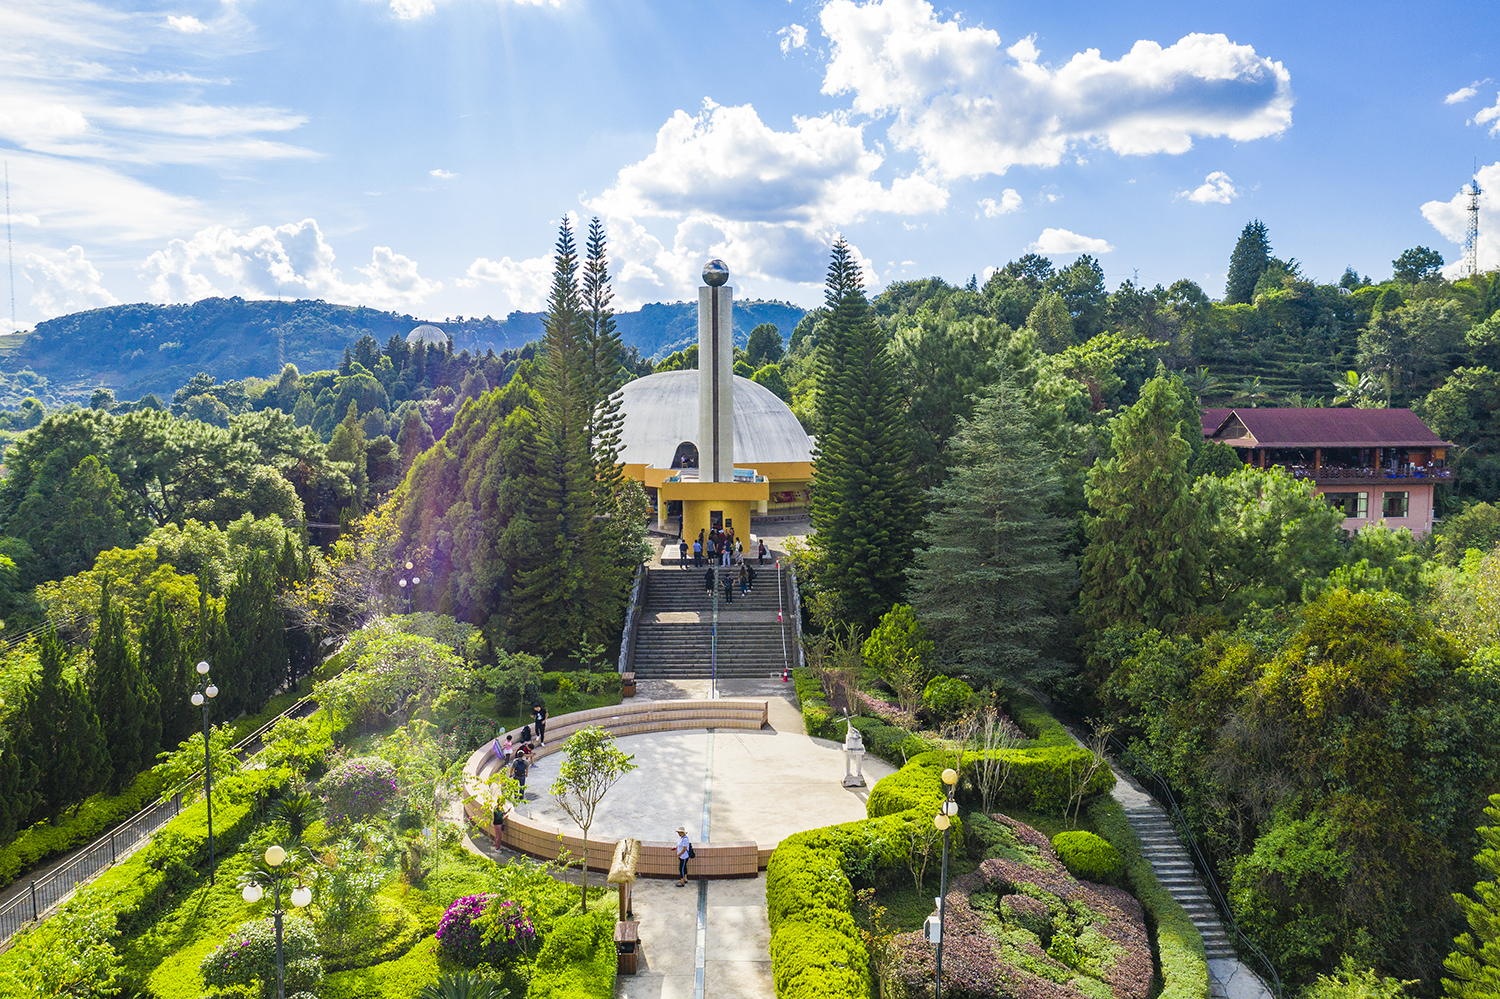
x=1230 y=977
x=674 y=639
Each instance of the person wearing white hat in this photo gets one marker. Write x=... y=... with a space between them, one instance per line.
x=684 y=851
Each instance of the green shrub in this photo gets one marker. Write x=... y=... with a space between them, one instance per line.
x=401 y=979
x=577 y=961
x=361 y=788
x=985 y=838
x=1184 y=964
x=945 y=697
x=1088 y=857
x=249 y=957
x=96 y=815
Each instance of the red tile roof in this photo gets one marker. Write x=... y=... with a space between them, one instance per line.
x=1331 y=427
x=1212 y=419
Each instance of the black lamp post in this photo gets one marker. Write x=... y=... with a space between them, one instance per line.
x=301 y=895
x=943 y=820
x=402 y=582
x=206 y=692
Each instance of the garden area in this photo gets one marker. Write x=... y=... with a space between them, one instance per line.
x=347 y=818
x=1049 y=893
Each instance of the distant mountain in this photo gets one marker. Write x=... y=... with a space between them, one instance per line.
x=135 y=349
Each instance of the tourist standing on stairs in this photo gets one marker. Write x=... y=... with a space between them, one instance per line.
x=539 y=719
x=682 y=553
x=728 y=588
x=708 y=580
x=698 y=551
x=762 y=551
x=744 y=578
x=713 y=551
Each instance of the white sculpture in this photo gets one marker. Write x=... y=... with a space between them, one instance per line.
x=854 y=758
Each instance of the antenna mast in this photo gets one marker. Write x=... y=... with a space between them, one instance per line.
x=1471 y=238
x=10 y=256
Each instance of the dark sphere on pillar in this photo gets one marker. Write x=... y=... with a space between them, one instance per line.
x=715 y=273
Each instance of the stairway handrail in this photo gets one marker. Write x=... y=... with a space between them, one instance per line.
x=796 y=602
x=632 y=619
x=1161 y=791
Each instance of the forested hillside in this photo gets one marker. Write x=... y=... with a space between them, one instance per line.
x=142 y=348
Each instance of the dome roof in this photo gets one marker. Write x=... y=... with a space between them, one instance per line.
x=428 y=332
x=661 y=411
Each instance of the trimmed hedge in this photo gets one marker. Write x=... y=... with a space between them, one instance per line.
x=577 y=961
x=1089 y=857
x=99 y=813
x=816 y=949
x=891 y=743
x=1179 y=946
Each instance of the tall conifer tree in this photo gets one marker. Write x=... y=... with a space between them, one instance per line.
x=553 y=583
x=865 y=505
x=121 y=694
x=1143 y=561
x=253 y=622
x=991 y=577
x=1250 y=259
x=164 y=661
x=19 y=771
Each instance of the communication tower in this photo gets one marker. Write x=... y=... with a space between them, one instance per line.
x=1471 y=237
x=10 y=259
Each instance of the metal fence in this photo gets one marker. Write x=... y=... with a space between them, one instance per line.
x=103 y=853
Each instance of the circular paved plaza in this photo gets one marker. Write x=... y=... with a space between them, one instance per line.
x=756 y=786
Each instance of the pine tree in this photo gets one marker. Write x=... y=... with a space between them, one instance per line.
x=414 y=438
x=991 y=575
x=122 y=694
x=20 y=770
x=1052 y=323
x=253 y=621
x=164 y=661
x=552 y=583
x=1475 y=960
x=1250 y=259
x=864 y=502
x=1141 y=567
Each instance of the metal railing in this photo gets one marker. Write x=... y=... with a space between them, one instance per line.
x=109 y=848
x=795 y=610
x=1159 y=789
x=632 y=618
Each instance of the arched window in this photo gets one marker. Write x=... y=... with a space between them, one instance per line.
x=686 y=456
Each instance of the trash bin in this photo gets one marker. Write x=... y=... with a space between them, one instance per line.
x=627 y=684
x=627 y=946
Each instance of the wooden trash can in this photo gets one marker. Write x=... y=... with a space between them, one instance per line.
x=627 y=684
x=627 y=946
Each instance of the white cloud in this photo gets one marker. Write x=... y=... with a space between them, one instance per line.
x=66 y=282
x=292 y=259
x=1062 y=241
x=187 y=24
x=793 y=36
x=524 y=282
x=411 y=10
x=1217 y=187
x=1490 y=116
x=1451 y=218
x=67 y=197
x=970 y=108
x=1462 y=94
x=1009 y=202
x=441 y=174
x=769 y=202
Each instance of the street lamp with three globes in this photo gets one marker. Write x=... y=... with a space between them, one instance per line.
x=402 y=582
x=206 y=692
x=301 y=897
x=944 y=820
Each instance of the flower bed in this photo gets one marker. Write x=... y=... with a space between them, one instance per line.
x=1027 y=928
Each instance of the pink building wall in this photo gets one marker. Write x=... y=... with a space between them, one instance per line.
x=1419 y=512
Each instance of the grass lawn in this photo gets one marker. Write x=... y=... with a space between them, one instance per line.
x=584 y=702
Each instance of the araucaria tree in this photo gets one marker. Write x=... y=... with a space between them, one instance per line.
x=1142 y=564
x=991 y=576
x=592 y=764
x=1250 y=259
x=1475 y=961
x=864 y=502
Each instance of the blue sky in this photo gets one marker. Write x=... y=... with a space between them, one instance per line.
x=419 y=154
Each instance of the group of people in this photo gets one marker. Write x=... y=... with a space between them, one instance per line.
x=516 y=755
x=720 y=547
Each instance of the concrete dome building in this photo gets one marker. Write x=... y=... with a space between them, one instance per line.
x=428 y=332
x=660 y=441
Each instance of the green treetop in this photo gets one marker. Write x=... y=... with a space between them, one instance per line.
x=1250 y=259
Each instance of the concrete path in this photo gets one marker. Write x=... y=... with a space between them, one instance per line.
x=1229 y=977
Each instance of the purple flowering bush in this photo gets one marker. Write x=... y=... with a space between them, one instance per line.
x=481 y=929
x=1028 y=929
x=361 y=788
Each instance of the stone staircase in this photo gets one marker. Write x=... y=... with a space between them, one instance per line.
x=1169 y=859
x=675 y=635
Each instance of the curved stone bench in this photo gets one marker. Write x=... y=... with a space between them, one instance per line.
x=658 y=857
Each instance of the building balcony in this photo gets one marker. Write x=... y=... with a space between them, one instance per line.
x=1341 y=475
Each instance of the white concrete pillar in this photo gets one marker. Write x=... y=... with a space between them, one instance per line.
x=716 y=375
